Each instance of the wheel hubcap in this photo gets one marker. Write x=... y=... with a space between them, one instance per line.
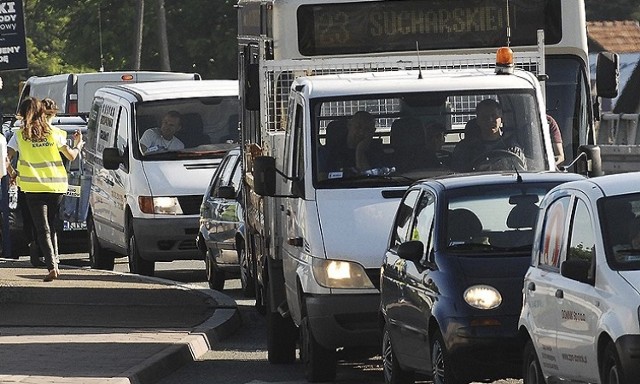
x=387 y=358
x=437 y=362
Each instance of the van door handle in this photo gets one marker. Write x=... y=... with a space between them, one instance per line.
x=109 y=182
x=560 y=294
x=531 y=286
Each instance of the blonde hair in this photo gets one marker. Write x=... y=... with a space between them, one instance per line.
x=34 y=122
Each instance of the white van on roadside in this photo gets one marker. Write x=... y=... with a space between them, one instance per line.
x=146 y=204
x=73 y=92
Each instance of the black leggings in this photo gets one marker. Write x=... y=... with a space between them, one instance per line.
x=45 y=213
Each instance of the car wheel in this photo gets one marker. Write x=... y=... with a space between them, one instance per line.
x=246 y=280
x=319 y=362
x=441 y=370
x=531 y=370
x=393 y=373
x=136 y=263
x=610 y=368
x=99 y=258
x=215 y=276
x=281 y=337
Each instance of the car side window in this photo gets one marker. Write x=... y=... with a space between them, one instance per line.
x=227 y=171
x=218 y=177
x=554 y=231
x=423 y=222
x=583 y=239
x=400 y=231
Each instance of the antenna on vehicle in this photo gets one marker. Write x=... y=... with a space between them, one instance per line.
x=100 y=38
x=508 y=26
x=419 y=65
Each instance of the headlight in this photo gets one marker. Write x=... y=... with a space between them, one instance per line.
x=482 y=297
x=160 y=205
x=340 y=274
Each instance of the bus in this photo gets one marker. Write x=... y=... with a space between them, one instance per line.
x=309 y=31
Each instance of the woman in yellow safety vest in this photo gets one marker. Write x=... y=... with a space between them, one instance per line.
x=41 y=174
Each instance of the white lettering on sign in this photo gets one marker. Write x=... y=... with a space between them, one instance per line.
x=7 y=7
x=4 y=59
x=5 y=50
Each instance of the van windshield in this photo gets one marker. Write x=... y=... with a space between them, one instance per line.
x=396 y=138
x=200 y=128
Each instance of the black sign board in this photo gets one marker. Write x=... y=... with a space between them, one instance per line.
x=13 y=46
x=394 y=26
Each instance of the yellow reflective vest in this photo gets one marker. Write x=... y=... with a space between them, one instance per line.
x=40 y=167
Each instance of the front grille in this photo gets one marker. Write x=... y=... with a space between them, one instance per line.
x=190 y=204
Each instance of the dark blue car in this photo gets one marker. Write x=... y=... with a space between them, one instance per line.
x=451 y=282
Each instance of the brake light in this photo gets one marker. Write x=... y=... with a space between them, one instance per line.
x=73 y=107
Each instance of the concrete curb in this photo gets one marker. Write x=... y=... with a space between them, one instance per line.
x=224 y=322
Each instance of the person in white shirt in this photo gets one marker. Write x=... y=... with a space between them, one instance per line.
x=163 y=139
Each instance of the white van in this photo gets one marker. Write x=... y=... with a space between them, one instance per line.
x=146 y=204
x=73 y=92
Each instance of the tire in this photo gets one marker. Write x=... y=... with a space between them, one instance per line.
x=281 y=337
x=531 y=370
x=136 y=263
x=393 y=373
x=215 y=276
x=99 y=258
x=319 y=362
x=441 y=370
x=610 y=367
x=246 y=278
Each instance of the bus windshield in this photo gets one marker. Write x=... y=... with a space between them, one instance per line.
x=396 y=139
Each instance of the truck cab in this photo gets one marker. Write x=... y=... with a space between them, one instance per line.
x=333 y=221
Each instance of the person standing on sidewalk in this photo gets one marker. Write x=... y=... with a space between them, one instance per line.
x=4 y=199
x=41 y=174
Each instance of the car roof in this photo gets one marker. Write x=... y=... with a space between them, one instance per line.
x=610 y=185
x=477 y=179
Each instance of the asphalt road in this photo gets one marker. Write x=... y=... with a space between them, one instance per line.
x=242 y=358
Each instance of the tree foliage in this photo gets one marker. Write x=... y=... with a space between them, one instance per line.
x=84 y=35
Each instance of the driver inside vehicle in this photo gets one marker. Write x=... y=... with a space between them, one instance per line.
x=485 y=146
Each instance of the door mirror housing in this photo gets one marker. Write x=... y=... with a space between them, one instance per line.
x=111 y=158
x=607 y=75
x=411 y=250
x=264 y=175
x=226 y=192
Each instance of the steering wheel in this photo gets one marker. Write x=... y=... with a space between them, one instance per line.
x=499 y=160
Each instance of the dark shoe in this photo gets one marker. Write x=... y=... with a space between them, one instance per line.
x=53 y=274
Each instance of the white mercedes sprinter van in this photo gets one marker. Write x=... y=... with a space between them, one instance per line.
x=145 y=198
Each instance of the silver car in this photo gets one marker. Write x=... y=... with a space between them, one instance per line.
x=220 y=237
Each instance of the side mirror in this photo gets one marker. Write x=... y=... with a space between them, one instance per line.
x=226 y=192
x=576 y=269
x=252 y=87
x=592 y=167
x=411 y=250
x=111 y=158
x=264 y=175
x=607 y=75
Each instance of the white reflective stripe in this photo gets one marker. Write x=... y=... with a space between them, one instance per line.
x=36 y=179
x=44 y=164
